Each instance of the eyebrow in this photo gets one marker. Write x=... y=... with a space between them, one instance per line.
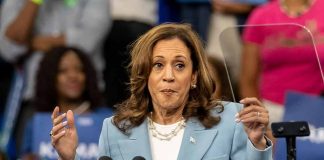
x=178 y=56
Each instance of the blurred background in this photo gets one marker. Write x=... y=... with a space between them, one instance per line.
x=74 y=54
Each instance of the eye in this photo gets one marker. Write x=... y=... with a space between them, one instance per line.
x=62 y=70
x=180 y=66
x=79 y=69
x=157 y=65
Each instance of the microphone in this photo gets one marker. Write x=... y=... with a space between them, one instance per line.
x=138 y=158
x=105 y=158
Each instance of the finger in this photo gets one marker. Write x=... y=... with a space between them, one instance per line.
x=70 y=119
x=55 y=113
x=255 y=119
x=250 y=101
x=59 y=119
x=252 y=108
x=58 y=127
x=56 y=138
x=248 y=115
x=256 y=114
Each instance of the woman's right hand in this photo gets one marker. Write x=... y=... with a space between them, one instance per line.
x=64 y=135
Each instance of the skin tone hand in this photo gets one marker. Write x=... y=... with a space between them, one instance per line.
x=45 y=43
x=20 y=29
x=230 y=7
x=255 y=118
x=64 y=134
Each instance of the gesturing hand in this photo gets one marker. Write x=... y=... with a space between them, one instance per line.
x=255 y=118
x=64 y=136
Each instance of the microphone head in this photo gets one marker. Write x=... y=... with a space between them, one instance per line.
x=138 y=158
x=105 y=158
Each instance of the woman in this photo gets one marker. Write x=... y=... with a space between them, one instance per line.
x=279 y=57
x=66 y=78
x=170 y=112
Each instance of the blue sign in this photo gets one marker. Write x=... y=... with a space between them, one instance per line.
x=302 y=107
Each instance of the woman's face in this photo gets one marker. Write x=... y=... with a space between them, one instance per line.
x=171 y=75
x=71 y=77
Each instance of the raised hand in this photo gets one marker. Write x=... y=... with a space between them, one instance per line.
x=64 y=136
x=255 y=118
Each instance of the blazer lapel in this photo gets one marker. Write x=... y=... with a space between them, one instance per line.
x=137 y=144
x=196 y=140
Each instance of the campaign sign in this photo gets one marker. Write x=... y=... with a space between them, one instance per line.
x=88 y=126
x=302 y=107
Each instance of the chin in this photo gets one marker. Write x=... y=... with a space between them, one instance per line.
x=170 y=106
x=73 y=96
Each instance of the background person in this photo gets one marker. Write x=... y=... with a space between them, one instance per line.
x=282 y=55
x=130 y=21
x=31 y=27
x=66 y=78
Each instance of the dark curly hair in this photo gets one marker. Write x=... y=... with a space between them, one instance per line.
x=134 y=110
x=46 y=91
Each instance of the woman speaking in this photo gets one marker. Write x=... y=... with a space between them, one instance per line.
x=171 y=113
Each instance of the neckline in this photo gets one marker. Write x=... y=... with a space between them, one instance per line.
x=84 y=106
x=296 y=14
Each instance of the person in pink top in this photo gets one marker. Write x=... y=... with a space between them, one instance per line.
x=281 y=57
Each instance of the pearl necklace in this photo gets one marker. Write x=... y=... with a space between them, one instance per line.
x=166 y=136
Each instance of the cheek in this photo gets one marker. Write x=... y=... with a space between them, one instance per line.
x=150 y=86
x=83 y=80
x=152 y=82
x=186 y=83
x=59 y=81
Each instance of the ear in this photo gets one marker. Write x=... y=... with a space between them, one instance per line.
x=194 y=78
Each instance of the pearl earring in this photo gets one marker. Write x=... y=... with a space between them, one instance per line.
x=193 y=86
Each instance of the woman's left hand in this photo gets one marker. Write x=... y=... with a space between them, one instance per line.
x=255 y=118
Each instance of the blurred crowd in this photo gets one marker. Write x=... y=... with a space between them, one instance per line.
x=75 y=53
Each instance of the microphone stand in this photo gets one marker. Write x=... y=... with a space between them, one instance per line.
x=290 y=130
x=291 y=148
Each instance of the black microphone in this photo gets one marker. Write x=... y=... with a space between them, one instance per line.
x=138 y=158
x=105 y=158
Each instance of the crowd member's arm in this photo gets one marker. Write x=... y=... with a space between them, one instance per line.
x=20 y=28
x=17 y=19
x=231 y=7
x=45 y=43
x=86 y=31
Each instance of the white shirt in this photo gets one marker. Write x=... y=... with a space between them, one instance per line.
x=164 y=149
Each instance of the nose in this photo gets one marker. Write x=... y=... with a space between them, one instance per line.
x=168 y=74
x=72 y=74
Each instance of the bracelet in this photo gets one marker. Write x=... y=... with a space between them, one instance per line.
x=38 y=2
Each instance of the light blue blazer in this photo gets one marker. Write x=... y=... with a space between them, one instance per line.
x=224 y=141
